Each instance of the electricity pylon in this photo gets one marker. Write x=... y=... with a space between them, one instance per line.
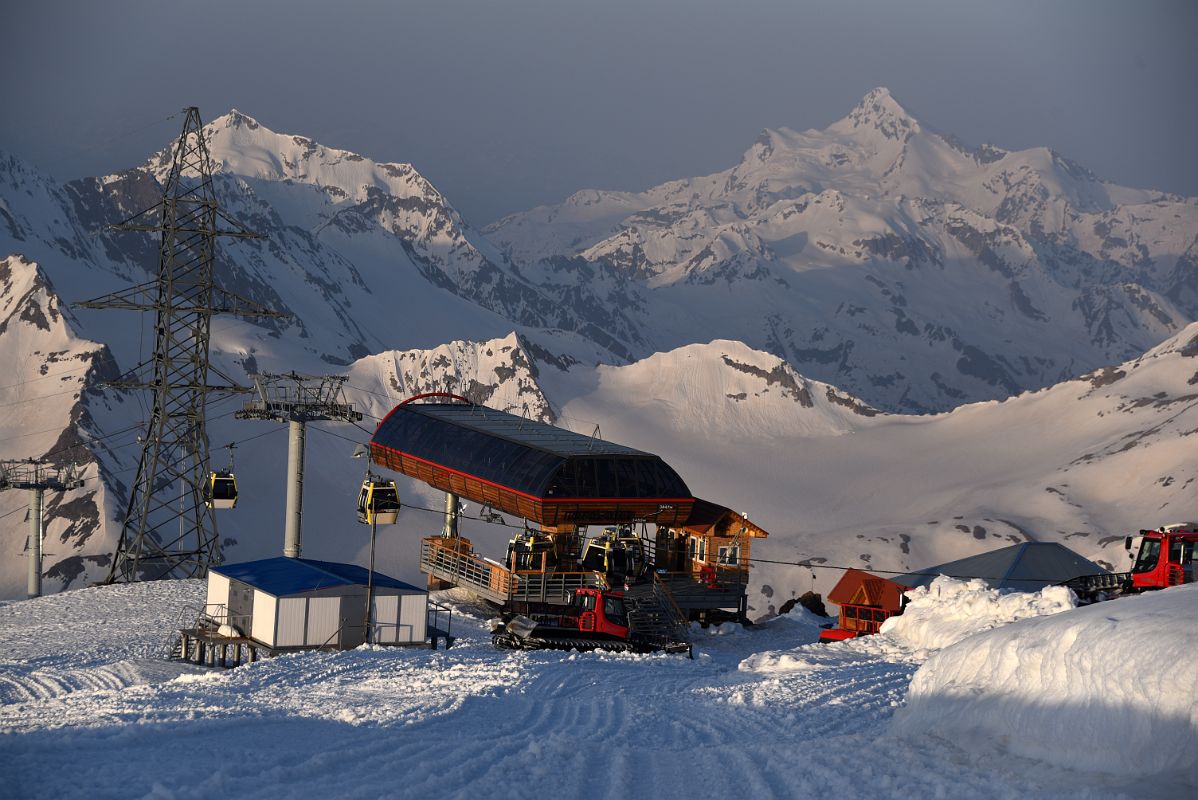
x=36 y=476
x=297 y=400
x=168 y=530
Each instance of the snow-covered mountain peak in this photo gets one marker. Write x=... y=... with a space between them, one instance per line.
x=878 y=111
x=241 y=145
x=235 y=119
x=498 y=373
x=730 y=391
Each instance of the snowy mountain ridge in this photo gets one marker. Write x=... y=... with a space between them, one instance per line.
x=890 y=260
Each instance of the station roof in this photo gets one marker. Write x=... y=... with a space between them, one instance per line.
x=283 y=576
x=1025 y=567
x=527 y=456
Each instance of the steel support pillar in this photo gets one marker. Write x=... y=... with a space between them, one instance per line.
x=292 y=537
x=452 y=512
x=35 y=542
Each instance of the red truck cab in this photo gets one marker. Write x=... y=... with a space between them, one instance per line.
x=600 y=612
x=1165 y=557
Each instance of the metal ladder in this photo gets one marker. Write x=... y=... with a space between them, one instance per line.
x=654 y=617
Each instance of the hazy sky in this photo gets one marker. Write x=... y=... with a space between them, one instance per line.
x=506 y=105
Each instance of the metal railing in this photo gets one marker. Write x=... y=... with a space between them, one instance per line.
x=448 y=560
x=552 y=587
x=666 y=598
x=216 y=614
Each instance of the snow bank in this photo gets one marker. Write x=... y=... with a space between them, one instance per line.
x=949 y=609
x=1111 y=687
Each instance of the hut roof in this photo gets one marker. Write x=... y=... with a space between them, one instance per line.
x=282 y=576
x=878 y=591
x=1025 y=567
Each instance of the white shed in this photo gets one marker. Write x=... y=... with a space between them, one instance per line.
x=294 y=603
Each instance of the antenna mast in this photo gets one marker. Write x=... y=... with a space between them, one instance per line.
x=164 y=534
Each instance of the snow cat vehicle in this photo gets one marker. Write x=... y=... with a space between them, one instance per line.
x=595 y=620
x=618 y=553
x=1160 y=559
x=1165 y=557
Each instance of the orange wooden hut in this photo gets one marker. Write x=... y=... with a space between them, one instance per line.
x=866 y=601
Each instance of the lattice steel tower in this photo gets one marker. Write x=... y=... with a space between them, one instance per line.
x=168 y=531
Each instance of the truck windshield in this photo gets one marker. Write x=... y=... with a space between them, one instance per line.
x=613 y=609
x=1150 y=553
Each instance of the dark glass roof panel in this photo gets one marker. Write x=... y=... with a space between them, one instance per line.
x=530 y=457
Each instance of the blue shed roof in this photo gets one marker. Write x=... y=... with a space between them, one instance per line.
x=282 y=576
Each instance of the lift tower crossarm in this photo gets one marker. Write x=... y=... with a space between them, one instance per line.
x=297 y=400
x=34 y=475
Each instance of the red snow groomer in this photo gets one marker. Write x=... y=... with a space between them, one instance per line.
x=597 y=619
x=1165 y=557
x=1161 y=558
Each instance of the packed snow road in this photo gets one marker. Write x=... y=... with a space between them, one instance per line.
x=87 y=710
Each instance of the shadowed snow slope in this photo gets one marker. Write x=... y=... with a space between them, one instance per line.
x=466 y=722
x=1111 y=687
x=1084 y=463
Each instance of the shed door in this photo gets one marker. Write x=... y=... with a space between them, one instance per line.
x=241 y=605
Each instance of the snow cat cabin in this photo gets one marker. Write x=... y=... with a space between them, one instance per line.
x=867 y=600
x=592 y=503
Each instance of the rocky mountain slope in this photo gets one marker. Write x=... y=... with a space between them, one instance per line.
x=886 y=258
x=48 y=371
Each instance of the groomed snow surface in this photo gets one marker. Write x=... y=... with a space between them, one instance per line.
x=1075 y=704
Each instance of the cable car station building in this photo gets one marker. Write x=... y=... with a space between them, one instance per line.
x=567 y=484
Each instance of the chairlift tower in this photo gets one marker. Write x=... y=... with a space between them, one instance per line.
x=297 y=400
x=168 y=530
x=37 y=476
